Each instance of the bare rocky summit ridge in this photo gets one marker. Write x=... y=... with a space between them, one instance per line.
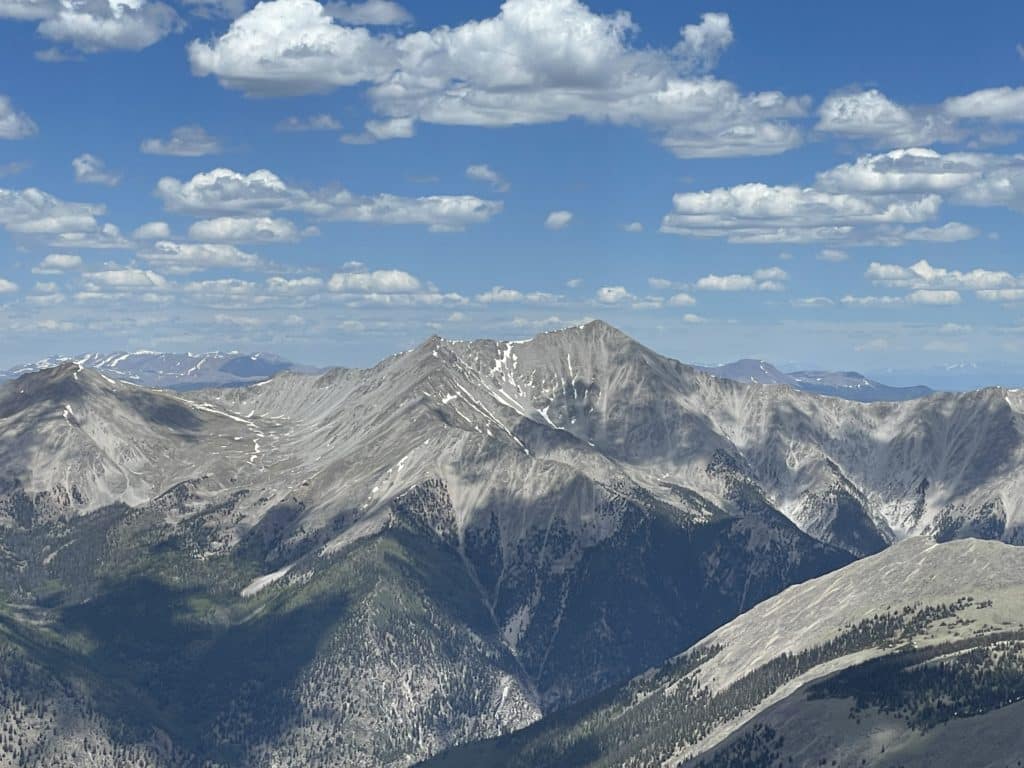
x=855 y=475
x=591 y=398
x=464 y=538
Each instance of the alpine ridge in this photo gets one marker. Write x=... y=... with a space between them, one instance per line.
x=171 y=371
x=467 y=537
x=848 y=385
x=914 y=656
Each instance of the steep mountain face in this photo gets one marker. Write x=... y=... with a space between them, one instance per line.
x=848 y=385
x=74 y=439
x=879 y=663
x=463 y=539
x=171 y=371
x=303 y=562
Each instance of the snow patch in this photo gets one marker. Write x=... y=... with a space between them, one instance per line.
x=262 y=582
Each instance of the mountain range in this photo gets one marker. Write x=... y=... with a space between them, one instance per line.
x=367 y=567
x=848 y=385
x=172 y=371
x=225 y=369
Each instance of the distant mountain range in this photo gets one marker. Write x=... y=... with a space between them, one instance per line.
x=228 y=369
x=172 y=371
x=473 y=537
x=848 y=385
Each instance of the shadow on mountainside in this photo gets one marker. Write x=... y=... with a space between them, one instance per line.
x=155 y=656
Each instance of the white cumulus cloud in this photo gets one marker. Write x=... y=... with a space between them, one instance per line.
x=536 y=61
x=243 y=229
x=152 y=230
x=759 y=213
x=224 y=191
x=184 y=141
x=278 y=284
x=558 y=220
x=926 y=296
x=90 y=169
x=14 y=124
x=182 y=258
x=369 y=13
x=56 y=263
x=768 y=279
x=872 y=115
x=682 y=300
x=500 y=295
x=306 y=124
x=128 y=277
x=1000 y=105
x=833 y=255
x=613 y=294
x=702 y=44
x=91 y=26
x=32 y=211
x=488 y=175
x=378 y=281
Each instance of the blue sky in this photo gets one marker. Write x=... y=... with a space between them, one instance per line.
x=818 y=184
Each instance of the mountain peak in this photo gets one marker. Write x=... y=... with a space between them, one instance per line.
x=594 y=333
x=591 y=332
x=63 y=370
x=59 y=382
x=599 y=327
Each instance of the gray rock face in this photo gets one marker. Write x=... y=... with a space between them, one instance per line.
x=915 y=640
x=421 y=542
x=505 y=424
x=82 y=440
x=463 y=538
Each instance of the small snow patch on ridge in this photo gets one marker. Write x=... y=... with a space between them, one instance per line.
x=261 y=582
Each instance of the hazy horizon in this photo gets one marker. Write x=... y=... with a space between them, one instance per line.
x=953 y=377
x=732 y=181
